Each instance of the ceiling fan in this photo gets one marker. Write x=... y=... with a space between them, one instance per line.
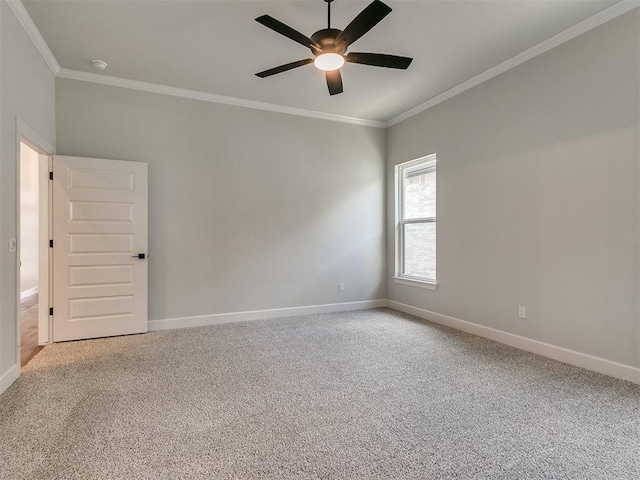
x=329 y=45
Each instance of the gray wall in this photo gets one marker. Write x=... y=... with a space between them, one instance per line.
x=27 y=92
x=247 y=209
x=538 y=196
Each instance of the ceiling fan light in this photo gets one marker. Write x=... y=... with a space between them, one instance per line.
x=329 y=61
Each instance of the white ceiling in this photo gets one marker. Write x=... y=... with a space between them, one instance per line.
x=216 y=46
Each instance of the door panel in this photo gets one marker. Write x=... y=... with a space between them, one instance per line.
x=100 y=275
x=100 y=243
x=100 y=212
x=99 y=226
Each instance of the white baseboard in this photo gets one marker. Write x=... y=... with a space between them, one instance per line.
x=28 y=293
x=218 y=318
x=596 y=364
x=8 y=378
x=590 y=362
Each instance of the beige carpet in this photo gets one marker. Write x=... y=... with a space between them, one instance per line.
x=360 y=395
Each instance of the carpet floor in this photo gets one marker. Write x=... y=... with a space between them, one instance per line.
x=359 y=395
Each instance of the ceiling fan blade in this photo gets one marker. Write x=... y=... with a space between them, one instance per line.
x=334 y=82
x=284 y=68
x=365 y=21
x=379 y=60
x=277 y=26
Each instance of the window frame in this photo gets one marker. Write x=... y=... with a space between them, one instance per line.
x=427 y=163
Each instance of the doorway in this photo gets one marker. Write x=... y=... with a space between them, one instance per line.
x=33 y=255
x=88 y=217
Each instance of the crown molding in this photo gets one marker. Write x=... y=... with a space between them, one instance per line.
x=32 y=31
x=21 y=14
x=209 y=97
x=23 y=17
x=590 y=23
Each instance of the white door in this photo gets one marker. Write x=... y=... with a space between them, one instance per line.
x=99 y=248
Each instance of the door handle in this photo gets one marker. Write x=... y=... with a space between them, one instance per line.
x=141 y=256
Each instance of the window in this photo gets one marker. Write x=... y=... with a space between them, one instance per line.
x=416 y=221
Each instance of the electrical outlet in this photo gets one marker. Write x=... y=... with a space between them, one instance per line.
x=522 y=312
x=341 y=287
x=13 y=245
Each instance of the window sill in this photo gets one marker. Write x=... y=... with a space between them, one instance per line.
x=416 y=283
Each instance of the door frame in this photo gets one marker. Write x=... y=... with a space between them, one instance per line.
x=26 y=134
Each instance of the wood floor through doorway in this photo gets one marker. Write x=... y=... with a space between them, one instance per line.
x=29 y=329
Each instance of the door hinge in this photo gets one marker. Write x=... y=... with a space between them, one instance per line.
x=51 y=311
x=50 y=243
x=50 y=175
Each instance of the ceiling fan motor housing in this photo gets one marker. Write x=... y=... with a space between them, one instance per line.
x=326 y=38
